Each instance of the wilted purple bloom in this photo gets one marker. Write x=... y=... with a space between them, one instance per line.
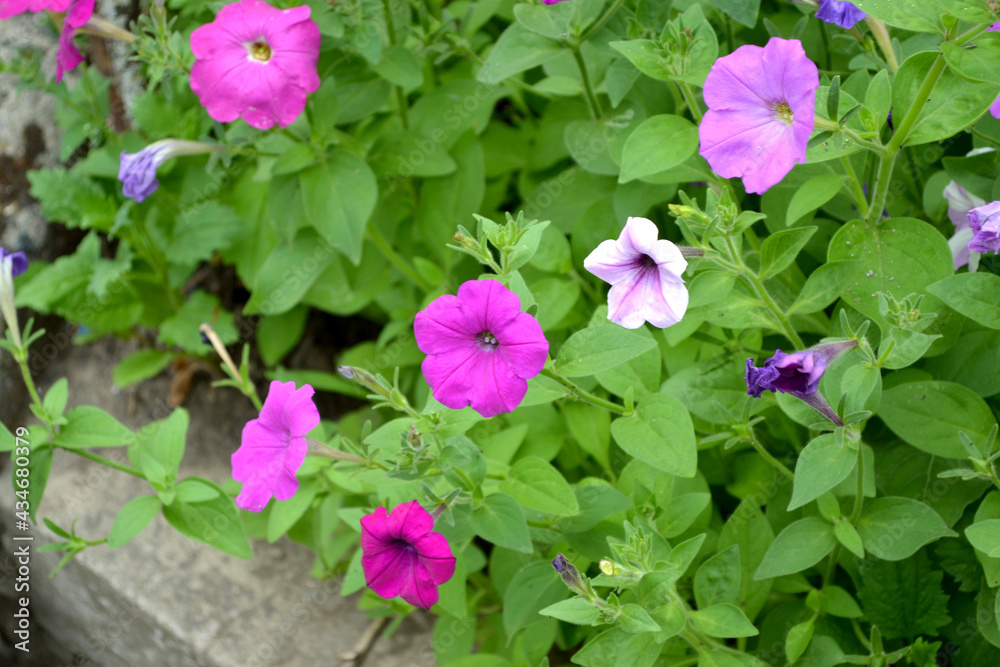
x=761 y=106
x=960 y=202
x=138 y=170
x=645 y=276
x=11 y=264
x=798 y=374
x=839 y=12
x=570 y=575
x=985 y=224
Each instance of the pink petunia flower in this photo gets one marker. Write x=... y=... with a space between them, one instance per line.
x=273 y=446
x=10 y=8
x=645 y=274
x=401 y=555
x=257 y=62
x=481 y=348
x=77 y=14
x=761 y=106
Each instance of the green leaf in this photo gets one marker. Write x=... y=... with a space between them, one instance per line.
x=779 y=250
x=447 y=201
x=599 y=348
x=878 y=97
x=718 y=579
x=838 y=602
x=535 y=586
x=617 y=648
x=822 y=465
x=748 y=529
x=929 y=415
x=898 y=257
x=501 y=521
x=279 y=334
x=824 y=285
x=963 y=363
x=201 y=231
x=339 y=195
x=214 y=522
x=285 y=513
x=409 y=153
x=132 y=519
x=975 y=295
x=7 y=440
x=89 y=426
x=140 y=365
x=894 y=528
x=294 y=160
x=538 y=485
x=903 y=598
x=55 y=398
x=552 y=22
x=661 y=434
x=799 y=546
x=976 y=61
x=39 y=467
x=200 y=308
x=798 y=638
x=648 y=56
x=163 y=441
x=288 y=273
x=953 y=105
x=917 y=17
x=578 y=611
x=985 y=536
x=741 y=11
x=815 y=192
x=196 y=490
x=723 y=620
x=635 y=619
x=517 y=49
x=659 y=143
x=400 y=66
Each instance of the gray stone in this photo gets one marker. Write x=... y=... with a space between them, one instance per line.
x=164 y=599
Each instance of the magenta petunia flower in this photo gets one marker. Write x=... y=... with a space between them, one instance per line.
x=985 y=224
x=257 y=62
x=995 y=107
x=77 y=14
x=137 y=171
x=10 y=8
x=839 y=12
x=481 y=349
x=401 y=555
x=761 y=105
x=273 y=446
x=551 y=2
x=645 y=276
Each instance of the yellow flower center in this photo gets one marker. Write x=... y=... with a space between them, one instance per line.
x=783 y=113
x=259 y=50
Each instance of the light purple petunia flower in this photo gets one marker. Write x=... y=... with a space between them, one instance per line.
x=645 y=276
x=985 y=224
x=401 y=555
x=77 y=14
x=273 y=446
x=256 y=61
x=839 y=12
x=11 y=264
x=798 y=374
x=137 y=171
x=960 y=202
x=761 y=107
x=481 y=349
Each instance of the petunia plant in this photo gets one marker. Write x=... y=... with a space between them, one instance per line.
x=685 y=316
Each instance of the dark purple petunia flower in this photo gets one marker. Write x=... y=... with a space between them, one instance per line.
x=985 y=224
x=839 y=12
x=18 y=261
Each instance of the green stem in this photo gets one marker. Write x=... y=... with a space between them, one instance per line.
x=781 y=467
x=881 y=191
x=885 y=43
x=22 y=361
x=584 y=396
x=859 y=192
x=395 y=259
x=971 y=34
x=859 y=499
x=592 y=102
x=758 y=287
x=692 y=101
x=104 y=461
x=860 y=141
x=390 y=28
x=986 y=138
x=601 y=22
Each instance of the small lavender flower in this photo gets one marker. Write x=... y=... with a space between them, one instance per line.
x=11 y=264
x=839 y=12
x=798 y=374
x=985 y=224
x=138 y=170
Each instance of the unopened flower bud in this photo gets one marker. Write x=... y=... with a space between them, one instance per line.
x=364 y=378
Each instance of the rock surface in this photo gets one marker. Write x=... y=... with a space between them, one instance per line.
x=164 y=599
